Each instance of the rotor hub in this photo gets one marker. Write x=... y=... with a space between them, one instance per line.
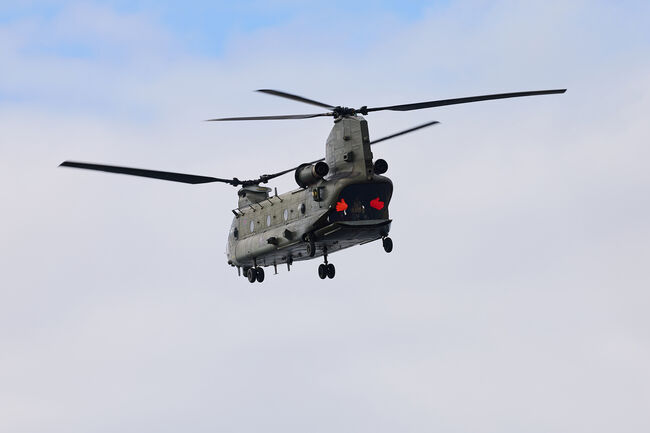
x=343 y=111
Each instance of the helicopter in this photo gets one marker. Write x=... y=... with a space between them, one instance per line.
x=341 y=201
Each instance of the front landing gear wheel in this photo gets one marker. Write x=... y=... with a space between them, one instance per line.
x=388 y=244
x=322 y=271
x=251 y=274
x=331 y=271
x=259 y=274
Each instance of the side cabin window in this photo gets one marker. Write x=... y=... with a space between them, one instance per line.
x=365 y=201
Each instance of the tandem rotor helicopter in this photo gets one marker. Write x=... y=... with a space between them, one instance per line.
x=341 y=201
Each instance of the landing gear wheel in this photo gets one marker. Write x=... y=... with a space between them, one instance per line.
x=251 y=274
x=331 y=271
x=388 y=244
x=322 y=271
x=259 y=274
x=311 y=248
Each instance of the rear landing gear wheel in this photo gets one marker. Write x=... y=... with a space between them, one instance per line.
x=388 y=244
x=251 y=274
x=311 y=248
x=331 y=271
x=322 y=271
x=259 y=274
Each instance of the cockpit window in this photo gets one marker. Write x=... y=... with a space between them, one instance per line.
x=366 y=201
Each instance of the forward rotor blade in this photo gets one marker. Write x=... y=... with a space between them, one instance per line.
x=154 y=174
x=442 y=102
x=282 y=117
x=406 y=131
x=296 y=98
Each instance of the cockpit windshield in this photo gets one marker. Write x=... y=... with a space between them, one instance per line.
x=365 y=201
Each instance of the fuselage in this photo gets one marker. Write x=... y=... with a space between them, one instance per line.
x=347 y=207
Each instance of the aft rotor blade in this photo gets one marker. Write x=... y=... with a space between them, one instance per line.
x=154 y=174
x=406 y=131
x=281 y=117
x=443 y=102
x=296 y=98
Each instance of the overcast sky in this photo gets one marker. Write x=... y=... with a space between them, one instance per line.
x=516 y=297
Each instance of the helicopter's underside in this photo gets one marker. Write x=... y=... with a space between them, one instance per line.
x=345 y=234
x=328 y=239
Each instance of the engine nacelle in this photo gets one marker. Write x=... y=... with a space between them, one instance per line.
x=309 y=174
x=381 y=166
